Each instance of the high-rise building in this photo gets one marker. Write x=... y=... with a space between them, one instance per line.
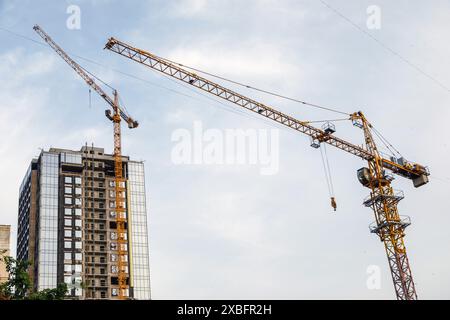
x=67 y=224
x=5 y=232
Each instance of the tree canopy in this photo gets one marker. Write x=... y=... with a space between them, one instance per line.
x=19 y=286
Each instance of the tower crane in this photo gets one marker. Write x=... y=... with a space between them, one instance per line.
x=115 y=117
x=377 y=176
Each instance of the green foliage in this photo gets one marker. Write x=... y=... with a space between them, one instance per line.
x=50 y=294
x=19 y=282
x=18 y=286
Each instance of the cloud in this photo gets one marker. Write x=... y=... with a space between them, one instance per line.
x=189 y=8
x=217 y=56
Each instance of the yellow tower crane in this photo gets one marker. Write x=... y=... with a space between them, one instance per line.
x=388 y=225
x=120 y=191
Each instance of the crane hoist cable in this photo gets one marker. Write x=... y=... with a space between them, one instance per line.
x=327 y=120
x=328 y=177
x=388 y=145
x=90 y=98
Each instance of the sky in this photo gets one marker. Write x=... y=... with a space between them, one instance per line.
x=224 y=231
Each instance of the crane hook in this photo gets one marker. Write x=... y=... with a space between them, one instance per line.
x=333 y=203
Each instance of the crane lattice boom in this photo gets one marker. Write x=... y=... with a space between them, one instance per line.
x=407 y=170
x=383 y=200
x=119 y=180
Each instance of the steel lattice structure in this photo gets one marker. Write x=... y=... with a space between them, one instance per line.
x=117 y=115
x=388 y=224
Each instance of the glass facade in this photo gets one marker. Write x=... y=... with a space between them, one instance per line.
x=67 y=226
x=23 y=232
x=73 y=158
x=140 y=270
x=48 y=221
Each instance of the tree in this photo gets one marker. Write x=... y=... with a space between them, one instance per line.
x=50 y=294
x=19 y=284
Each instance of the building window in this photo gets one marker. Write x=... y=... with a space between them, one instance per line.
x=77 y=223
x=78 y=268
x=112 y=204
x=78 y=191
x=77 y=233
x=68 y=190
x=67 y=268
x=68 y=200
x=114 y=292
x=68 y=222
x=67 y=256
x=67 y=245
x=67 y=233
x=113 y=257
x=68 y=211
x=68 y=180
x=78 y=292
x=78 y=212
x=112 y=214
x=113 y=235
x=78 y=201
x=112 y=183
x=68 y=280
x=78 y=245
x=114 y=269
x=77 y=180
x=78 y=256
x=113 y=246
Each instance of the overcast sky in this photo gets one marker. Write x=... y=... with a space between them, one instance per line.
x=226 y=231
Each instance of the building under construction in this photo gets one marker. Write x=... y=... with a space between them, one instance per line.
x=67 y=225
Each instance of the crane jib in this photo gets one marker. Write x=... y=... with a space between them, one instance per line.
x=162 y=65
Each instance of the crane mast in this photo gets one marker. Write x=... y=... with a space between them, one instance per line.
x=388 y=225
x=119 y=180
